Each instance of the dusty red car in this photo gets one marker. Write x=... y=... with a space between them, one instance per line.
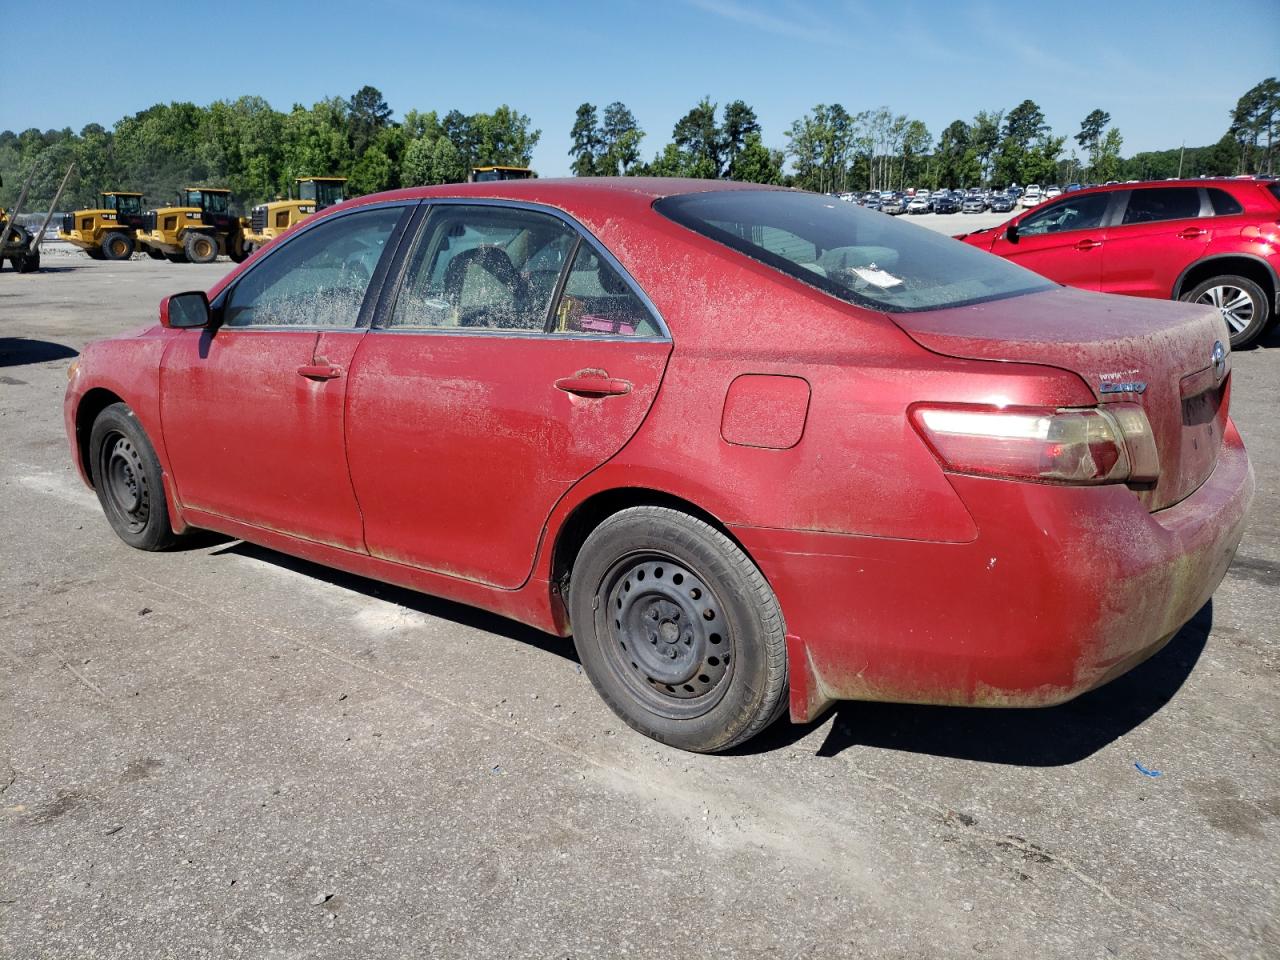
x=754 y=448
x=1215 y=242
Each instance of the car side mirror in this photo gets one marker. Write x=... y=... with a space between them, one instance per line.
x=1011 y=233
x=185 y=311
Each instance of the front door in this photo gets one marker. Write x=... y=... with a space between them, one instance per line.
x=1062 y=240
x=253 y=410
x=515 y=360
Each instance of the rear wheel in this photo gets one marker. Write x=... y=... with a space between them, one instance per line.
x=678 y=630
x=1241 y=301
x=238 y=250
x=117 y=246
x=200 y=247
x=27 y=262
x=126 y=475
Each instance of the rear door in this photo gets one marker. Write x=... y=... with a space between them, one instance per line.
x=515 y=358
x=253 y=411
x=1158 y=234
x=1061 y=240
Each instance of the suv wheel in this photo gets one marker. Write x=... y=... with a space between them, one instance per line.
x=1242 y=302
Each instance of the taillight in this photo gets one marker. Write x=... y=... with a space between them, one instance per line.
x=1086 y=446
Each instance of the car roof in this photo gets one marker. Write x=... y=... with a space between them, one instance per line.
x=1218 y=182
x=570 y=190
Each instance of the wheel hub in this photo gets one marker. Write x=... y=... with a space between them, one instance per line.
x=1235 y=304
x=668 y=633
x=127 y=483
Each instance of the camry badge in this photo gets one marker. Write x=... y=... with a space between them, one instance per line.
x=1125 y=386
x=1219 y=359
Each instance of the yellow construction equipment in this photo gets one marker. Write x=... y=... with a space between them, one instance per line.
x=483 y=174
x=107 y=231
x=196 y=230
x=268 y=220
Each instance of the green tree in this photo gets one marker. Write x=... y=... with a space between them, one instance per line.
x=756 y=163
x=699 y=137
x=588 y=143
x=1106 y=163
x=739 y=123
x=621 y=135
x=368 y=114
x=1254 y=124
x=1091 y=133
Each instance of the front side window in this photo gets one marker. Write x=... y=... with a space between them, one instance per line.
x=851 y=253
x=318 y=278
x=216 y=202
x=129 y=205
x=484 y=268
x=1078 y=213
x=1162 y=203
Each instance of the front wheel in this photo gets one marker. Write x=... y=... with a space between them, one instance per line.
x=1241 y=301
x=678 y=630
x=117 y=246
x=200 y=247
x=127 y=478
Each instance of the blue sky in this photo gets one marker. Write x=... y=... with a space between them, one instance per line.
x=1167 y=72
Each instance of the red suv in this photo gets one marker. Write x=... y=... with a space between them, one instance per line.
x=1207 y=241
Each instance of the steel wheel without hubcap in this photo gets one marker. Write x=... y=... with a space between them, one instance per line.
x=1235 y=304
x=668 y=640
x=126 y=482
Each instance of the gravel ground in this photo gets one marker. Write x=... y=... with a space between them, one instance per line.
x=225 y=752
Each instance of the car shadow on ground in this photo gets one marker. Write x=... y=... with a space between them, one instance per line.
x=1046 y=737
x=458 y=613
x=18 y=351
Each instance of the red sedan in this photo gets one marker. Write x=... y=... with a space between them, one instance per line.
x=1215 y=242
x=755 y=449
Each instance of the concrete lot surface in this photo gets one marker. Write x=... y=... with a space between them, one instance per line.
x=224 y=752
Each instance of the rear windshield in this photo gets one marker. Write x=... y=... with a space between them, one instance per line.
x=1275 y=189
x=860 y=256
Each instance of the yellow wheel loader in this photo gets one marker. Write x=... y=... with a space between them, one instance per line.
x=196 y=230
x=107 y=231
x=268 y=220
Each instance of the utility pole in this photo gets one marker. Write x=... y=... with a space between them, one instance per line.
x=1181 y=154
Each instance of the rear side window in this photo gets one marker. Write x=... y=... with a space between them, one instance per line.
x=857 y=255
x=1223 y=203
x=597 y=300
x=1162 y=203
x=1275 y=189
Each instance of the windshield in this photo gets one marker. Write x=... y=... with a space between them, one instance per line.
x=125 y=205
x=212 y=202
x=861 y=257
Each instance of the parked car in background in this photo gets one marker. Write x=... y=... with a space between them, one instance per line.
x=919 y=204
x=973 y=204
x=894 y=205
x=1214 y=242
x=1001 y=203
x=531 y=396
x=946 y=203
x=1051 y=192
x=1031 y=196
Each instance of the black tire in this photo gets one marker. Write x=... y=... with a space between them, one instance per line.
x=678 y=630
x=117 y=246
x=27 y=262
x=127 y=478
x=1245 y=321
x=200 y=247
x=238 y=250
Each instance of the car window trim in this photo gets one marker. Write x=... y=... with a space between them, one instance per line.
x=391 y=294
x=365 y=316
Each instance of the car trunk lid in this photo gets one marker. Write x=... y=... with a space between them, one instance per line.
x=1151 y=352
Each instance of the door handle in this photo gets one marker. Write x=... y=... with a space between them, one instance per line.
x=320 y=371
x=1088 y=244
x=587 y=384
x=1191 y=233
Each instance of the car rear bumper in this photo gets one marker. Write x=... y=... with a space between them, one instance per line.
x=1063 y=589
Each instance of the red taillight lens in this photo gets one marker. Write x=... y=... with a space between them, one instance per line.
x=1087 y=446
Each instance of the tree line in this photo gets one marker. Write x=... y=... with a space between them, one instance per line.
x=257 y=151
